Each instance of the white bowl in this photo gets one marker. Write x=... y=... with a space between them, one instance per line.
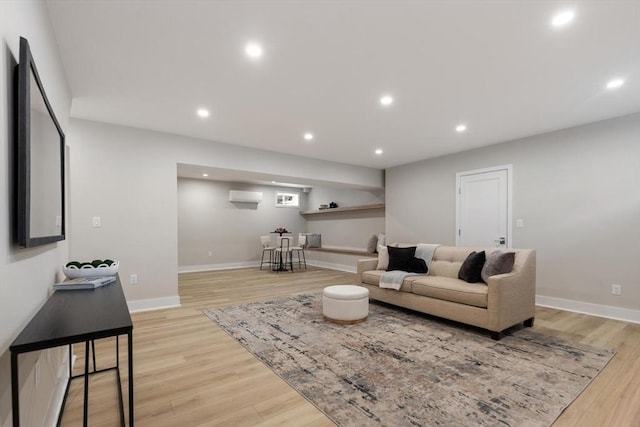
x=91 y=271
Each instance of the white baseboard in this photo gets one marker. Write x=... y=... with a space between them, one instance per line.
x=61 y=386
x=607 y=311
x=230 y=266
x=345 y=248
x=153 y=304
x=332 y=266
x=211 y=267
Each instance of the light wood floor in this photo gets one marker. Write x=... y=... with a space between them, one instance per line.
x=190 y=373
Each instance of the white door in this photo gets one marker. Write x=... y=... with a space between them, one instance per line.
x=484 y=207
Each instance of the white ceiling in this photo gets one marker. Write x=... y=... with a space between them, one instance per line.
x=234 y=175
x=498 y=66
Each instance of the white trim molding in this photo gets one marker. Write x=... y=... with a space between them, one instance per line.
x=58 y=392
x=236 y=265
x=332 y=266
x=153 y=304
x=212 y=267
x=606 y=311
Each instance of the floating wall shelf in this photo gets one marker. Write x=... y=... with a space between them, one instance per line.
x=345 y=209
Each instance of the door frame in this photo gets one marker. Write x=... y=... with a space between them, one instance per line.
x=509 y=169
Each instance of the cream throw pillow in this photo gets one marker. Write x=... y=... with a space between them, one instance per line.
x=383 y=257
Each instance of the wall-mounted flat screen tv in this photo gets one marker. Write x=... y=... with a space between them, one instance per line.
x=40 y=215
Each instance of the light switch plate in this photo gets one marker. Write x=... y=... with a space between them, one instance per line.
x=96 y=221
x=519 y=223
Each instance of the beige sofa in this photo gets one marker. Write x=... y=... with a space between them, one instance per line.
x=505 y=301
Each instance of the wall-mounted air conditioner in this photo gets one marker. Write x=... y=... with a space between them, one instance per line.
x=245 y=196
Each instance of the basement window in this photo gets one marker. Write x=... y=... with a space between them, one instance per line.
x=287 y=200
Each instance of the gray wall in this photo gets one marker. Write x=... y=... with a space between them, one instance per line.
x=577 y=191
x=209 y=223
x=350 y=230
x=26 y=275
x=128 y=177
x=343 y=197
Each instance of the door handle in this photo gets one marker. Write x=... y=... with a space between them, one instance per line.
x=501 y=240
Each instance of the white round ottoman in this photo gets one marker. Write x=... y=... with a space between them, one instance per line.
x=345 y=303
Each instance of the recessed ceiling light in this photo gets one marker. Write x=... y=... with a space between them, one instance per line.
x=386 y=100
x=308 y=136
x=614 y=84
x=563 y=18
x=379 y=151
x=461 y=128
x=205 y=174
x=203 y=112
x=253 y=50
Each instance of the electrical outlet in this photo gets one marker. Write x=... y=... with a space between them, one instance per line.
x=616 y=289
x=133 y=279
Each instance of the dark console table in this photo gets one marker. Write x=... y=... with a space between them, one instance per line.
x=77 y=316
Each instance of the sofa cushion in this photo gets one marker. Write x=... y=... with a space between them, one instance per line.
x=450 y=289
x=471 y=268
x=372 y=277
x=383 y=257
x=447 y=260
x=400 y=258
x=498 y=262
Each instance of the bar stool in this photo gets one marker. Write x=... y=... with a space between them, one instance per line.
x=283 y=255
x=302 y=242
x=266 y=248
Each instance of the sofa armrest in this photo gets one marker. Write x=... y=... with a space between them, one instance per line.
x=366 y=264
x=512 y=296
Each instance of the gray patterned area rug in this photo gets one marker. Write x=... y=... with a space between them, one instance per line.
x=402 y=369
